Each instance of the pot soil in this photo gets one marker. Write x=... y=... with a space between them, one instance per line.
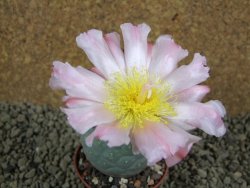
x=151 y=177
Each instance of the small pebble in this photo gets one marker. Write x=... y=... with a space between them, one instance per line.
x=123 y=181
x=66 y=185
x=29 y=132
x=202 y=173
x=45 y=185
x=151 y=182
x=227 y=180
x=156 y=167
x=20 y=118
x=15 y=132
x=1 y=178
x=21 y=162
x=137 y=183
x=110 y=179
x=237 y=174
x=30 y=174
x=95 y=180
x=123 y=186
x=63 y=164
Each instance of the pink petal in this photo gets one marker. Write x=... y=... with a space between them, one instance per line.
x=178 y=156
x=95 y=70
x=187 y=76
x=98 y=52
x=83 y=119
x=112 y=133
x=78 y=82
x=207 y=117
x=183 y=125
x=183 y=151
x=217 y=106
x=166 y=55
x=113 y=41
x=157 y=141
x=193 y=94
x=150 y=51
x=135 y=44
x=99 y=79
x=73 y=102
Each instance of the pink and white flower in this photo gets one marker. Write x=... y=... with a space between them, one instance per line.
x=139 y=95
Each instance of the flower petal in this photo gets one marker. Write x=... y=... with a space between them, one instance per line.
x=207 y=116
x=78 y=82
x=135 y=45
x=113 y=41
x=157 y=141
x=178 y=156
x=98 y=52
x=112 y=133
x=95 y=70
x=73 y=102
x=183 y=125
x=166 y=55
x=183 y=151
x=83 y=119
x=193 y=94
x=217 y=106
x=187 y=76
x=150 y=51
x=96 y=78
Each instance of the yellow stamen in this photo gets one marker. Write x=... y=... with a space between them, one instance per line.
x=135 y=98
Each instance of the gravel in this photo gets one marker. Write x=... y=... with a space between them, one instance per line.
x=37 y=146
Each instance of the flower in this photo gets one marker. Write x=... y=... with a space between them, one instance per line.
x=138 y=95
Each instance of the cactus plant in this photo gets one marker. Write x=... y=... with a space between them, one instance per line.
x=115 y=161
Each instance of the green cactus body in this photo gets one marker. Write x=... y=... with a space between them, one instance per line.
x=113 y=161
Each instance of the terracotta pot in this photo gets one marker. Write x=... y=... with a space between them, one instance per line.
x=86 y=184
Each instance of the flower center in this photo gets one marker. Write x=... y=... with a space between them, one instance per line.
x=136 y=98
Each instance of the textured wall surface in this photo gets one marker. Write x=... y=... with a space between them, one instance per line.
x=33 y=33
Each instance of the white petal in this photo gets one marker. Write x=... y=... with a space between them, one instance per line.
x=207 y=117
x=113 y=41
x=83 y=119
x=193 y=94
x=149 y=56
x=135 y=45
x=78 y=82
x=166 y=55
x=98 y=52
x=182 y=151
x=187 y=76
x=218 y=106
x=95 y=70
x=157 y=141
x=181 y=124
x=73 y=102
x=112 y=133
